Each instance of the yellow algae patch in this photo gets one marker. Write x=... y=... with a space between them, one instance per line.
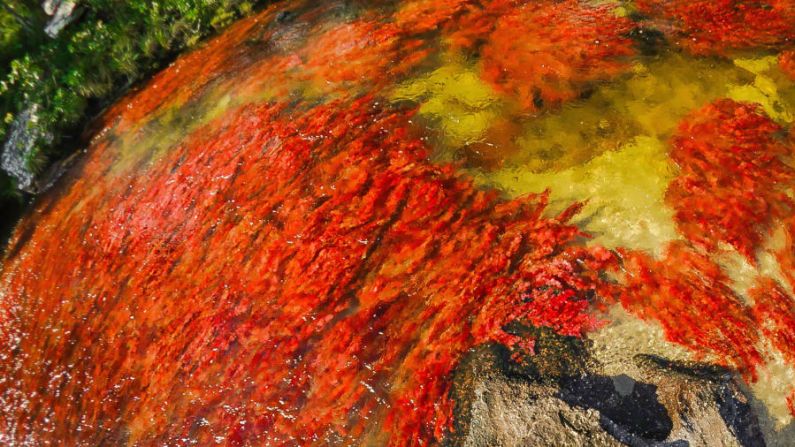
x=610 y=149
x=652 y=102
x=573 y=136
x=624 y=191
x=757 y=65
x=659 y=96
x=764 y=90
x=154 y=139
x=455 y=99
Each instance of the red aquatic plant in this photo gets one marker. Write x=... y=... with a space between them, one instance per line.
x=549 y=52
x=464 y=24
x=774 y=312
x=733 y=182
x=363 y=51
x=791 y=402
x=284 y=275
x=786 y=254
x=786 y=60
x=722 y=26
x=690 y=297
x=420 y=16
x=474 y=27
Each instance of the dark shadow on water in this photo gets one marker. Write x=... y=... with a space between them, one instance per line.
x=11 y=211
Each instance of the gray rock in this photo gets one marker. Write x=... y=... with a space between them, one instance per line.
x=671 y=405
x=50 y=6
x=706 y=403
x=20 y=141
x=63 y=13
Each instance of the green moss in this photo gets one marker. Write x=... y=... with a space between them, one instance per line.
x=113 y=45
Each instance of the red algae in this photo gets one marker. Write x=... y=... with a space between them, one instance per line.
x=421 y=16
x=733 y=181
x=536 y=52
x=546 y=53
x=786 y=254
x=283 y=276
x=791 y=403
x=465 y=24
x=474 y=27
x=710 y=27
x=774 y=312
x=690 y=297
x=786 y=61
x=365 y=50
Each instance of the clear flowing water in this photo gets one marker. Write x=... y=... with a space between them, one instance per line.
x=296 y=233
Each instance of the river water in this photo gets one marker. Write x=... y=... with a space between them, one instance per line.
x=296 y=233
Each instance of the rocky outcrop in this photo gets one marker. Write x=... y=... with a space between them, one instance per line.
x=671 y=404
x=22 y=137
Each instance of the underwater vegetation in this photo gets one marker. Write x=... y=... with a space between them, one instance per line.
x=546 y=54
x=354 y=262
x=690 y=296
x=787 y=63
x=733 y=180
x=295 y=233
x=722 y=27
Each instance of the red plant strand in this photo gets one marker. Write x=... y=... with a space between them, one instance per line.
x=786 y=255
x=791 y=403
x=548 y=52
x=362 y=51
x=719 y=27
x=774 y=312
x=733 y=184
x=689 y=296
x=422 y=16
x=786 y=61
